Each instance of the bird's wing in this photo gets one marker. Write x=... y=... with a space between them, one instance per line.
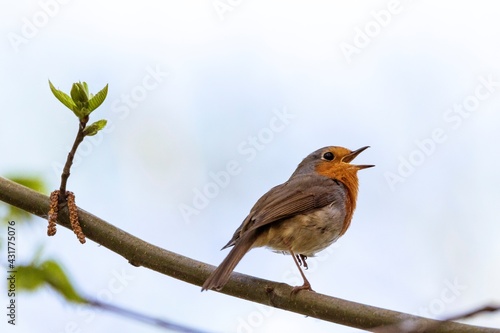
x=298 y=195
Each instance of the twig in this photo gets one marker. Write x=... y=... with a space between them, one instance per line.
x=141 y=253
x=410 y=325
x=60 y=198
x=141 y=317
x=486 y=308
x=69 y=160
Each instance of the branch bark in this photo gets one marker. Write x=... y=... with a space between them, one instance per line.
x=69 y=161
x=141 y=253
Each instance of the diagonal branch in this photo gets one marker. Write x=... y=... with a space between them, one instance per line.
x=141 y=317
x=141 y=253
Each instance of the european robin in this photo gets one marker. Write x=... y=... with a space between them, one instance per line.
x=302 y=216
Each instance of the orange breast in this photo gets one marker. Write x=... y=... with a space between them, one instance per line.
x=347 y=175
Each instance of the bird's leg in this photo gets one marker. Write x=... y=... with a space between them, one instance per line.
x=306 y=285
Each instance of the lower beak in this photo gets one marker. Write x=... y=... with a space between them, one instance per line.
x=348 y=158
x=365 y=166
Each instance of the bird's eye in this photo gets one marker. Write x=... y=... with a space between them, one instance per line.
x=328 y=156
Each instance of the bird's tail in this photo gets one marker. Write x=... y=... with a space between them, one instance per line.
x=221 y=274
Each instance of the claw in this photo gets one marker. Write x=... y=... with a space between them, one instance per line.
x=305 y=286
x=304 y=263
x=299 y=259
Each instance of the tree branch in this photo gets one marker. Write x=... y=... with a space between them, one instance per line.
x=141 y=253
x=71 y=155
x=144 y=318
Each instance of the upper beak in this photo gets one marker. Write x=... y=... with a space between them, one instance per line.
x=352 y=155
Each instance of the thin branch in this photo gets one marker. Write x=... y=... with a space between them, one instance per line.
x=144 y=318
x=410 y=325
x=468 y=314
x=69 y=161
x=141 y=253
x=67 y=198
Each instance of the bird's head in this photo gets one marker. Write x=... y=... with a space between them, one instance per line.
x=332 y=162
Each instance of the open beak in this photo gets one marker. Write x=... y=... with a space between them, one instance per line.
x=352 y=155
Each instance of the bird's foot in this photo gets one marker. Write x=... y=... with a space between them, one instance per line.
x=305 y=286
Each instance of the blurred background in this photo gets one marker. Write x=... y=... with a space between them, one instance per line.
x=201 y=88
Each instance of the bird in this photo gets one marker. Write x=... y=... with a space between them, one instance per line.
x=300 y=217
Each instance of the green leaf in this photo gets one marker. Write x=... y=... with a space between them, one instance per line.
x=57 y=279
x=97 y=100
x=63 y=97
x=30 y=278
x=95 y=127
x=85 y=88
x=14 y=213
x=33 y=277
x=81 y=102
x=79 y=94
x=33 y=182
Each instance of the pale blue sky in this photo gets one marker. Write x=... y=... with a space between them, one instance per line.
x=195 y=86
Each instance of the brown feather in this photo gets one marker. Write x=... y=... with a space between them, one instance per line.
x=221 y=274
x=299 y=195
